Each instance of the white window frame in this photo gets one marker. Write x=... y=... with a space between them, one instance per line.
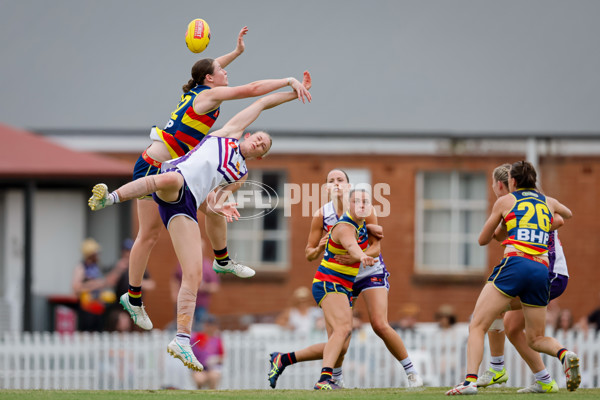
x=257 y=234
x=455 y=239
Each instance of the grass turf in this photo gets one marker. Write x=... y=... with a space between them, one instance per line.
x=346 y=394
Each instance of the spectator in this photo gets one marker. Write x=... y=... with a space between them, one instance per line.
x=302 y=316
x=208 y=349
x=210 y=284
x=408 y=317
x=448 y=343
x=594 y=319
x=93 y=290
x=118 y=320
x=564 y=322
x=445 y=316
x=122 y=266
x=552 y=312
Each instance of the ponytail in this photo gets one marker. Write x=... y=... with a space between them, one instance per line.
x=188 y=86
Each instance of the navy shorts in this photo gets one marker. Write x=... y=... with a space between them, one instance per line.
x=558 y=284
x=370 y=282
x=520 y=276
x=142 y=168
x=185 y=205
x=322 y=288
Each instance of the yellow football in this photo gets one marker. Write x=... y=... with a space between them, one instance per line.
x=197 y=36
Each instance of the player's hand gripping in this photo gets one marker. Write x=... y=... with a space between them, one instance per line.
x=302 y=88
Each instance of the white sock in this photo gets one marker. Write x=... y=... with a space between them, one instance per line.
x=543 y=376
x=337 y=374
x=113 y=198
x=183 y=339
x=497 y=363
x=408 y=366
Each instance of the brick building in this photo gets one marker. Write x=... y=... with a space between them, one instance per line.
x=439 y=196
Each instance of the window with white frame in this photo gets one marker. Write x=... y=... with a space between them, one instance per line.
x=451 y=209
x=260 y=237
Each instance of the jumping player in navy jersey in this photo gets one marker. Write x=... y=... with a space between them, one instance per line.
x=188 y=124
x=187 y=184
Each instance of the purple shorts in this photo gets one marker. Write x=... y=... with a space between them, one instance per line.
x=185 y=205
x=371 y=281
x=558 y=284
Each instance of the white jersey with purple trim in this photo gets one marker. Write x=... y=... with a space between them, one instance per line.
x=213 y=161
x=330 y=217
x=560 y=262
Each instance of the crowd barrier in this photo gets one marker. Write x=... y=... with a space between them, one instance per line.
x=138 y=361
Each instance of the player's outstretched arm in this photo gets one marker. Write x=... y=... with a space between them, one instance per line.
x=234 y=128
x=209 y=100
x=228 y=58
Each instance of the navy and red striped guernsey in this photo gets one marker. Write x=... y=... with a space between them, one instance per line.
x=185 y=129
x=331 y=270
x=528 y=222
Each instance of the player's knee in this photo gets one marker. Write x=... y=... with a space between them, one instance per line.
x=164 y=181
x=512 y=332
x=343 y=331
x=191 y=277
x=146 y=238
x=477 y=324
x=380 y=326
x=531 y=341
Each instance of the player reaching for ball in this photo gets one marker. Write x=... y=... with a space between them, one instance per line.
x=188 y=124
x=186 y=185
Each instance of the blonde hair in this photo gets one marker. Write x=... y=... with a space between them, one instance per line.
x=501 y=174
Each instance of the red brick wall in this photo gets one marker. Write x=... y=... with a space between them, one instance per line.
x=574 y=181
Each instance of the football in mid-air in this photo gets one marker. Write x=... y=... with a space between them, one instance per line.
x=197 y=36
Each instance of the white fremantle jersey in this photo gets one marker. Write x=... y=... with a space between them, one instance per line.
x=560 y=262
x=213 y=161
x=329 y=219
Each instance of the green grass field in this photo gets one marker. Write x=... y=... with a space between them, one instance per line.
x=346 y=394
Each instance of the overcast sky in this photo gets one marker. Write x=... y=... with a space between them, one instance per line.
x=388 y=66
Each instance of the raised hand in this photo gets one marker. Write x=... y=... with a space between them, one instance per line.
x=307 y=80
x=241 y=46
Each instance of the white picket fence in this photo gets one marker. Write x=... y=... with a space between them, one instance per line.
x=140 y=361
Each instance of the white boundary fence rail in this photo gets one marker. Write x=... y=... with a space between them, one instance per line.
x=140 y=361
